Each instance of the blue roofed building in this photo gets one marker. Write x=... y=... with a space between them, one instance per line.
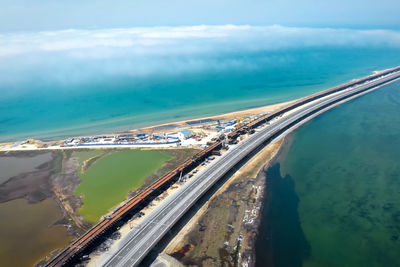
x=185 y=134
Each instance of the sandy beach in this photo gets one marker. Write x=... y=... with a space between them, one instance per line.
x=33 y=144
x=239 y=113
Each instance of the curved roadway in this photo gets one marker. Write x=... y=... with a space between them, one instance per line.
x=140 y=241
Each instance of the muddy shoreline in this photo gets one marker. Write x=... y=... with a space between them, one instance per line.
x=33 y=185
x=36 y=186
x=224 y=231
x=267 y=250
x=243 y=194
x=56 y=178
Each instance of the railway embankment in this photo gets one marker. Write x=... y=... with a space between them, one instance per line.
x=223 y=231
x=267 y=134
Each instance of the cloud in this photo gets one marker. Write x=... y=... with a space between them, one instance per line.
x=193 y=39
x=76 y=55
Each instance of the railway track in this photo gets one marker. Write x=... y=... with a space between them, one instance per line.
x=82 y=245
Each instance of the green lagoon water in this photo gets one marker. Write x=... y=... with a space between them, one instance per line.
x=43 y=105
x=334 y=194
x=108 y=181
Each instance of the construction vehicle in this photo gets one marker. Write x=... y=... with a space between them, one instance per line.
x=89 y=240
x=240 y=121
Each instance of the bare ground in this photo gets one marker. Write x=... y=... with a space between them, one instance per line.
x=35 y=185
x=64 y=185
x=58 y=179
x=223 y=231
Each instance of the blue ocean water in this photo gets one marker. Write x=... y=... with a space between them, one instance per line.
x=44 y=108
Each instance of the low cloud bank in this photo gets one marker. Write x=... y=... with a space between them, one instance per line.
x=183 y=40
x=73 y=55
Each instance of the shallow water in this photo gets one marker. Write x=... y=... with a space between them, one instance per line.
x=343 y=170
x=26 y=234
x=48 y=108
x=11 y=166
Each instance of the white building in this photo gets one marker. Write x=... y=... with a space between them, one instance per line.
x=185 y=134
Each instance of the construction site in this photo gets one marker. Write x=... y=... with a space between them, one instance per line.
x=214 y=136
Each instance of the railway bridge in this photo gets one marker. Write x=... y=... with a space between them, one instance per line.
x=135 y=246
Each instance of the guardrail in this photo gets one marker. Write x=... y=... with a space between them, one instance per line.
x=74 y=250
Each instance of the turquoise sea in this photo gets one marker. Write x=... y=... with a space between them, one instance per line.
x=334 y=193
x=42 y=105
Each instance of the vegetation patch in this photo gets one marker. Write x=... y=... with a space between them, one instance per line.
x=86 y=155
x=109 y=179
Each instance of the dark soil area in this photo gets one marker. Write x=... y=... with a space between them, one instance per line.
x=57 y=179
x=34 y=186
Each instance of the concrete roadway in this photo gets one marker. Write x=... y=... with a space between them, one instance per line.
x=141 y=240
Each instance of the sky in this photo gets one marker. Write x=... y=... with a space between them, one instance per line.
x=48 y=39
x=78 y=47
x=38 y=15
x=75 y=41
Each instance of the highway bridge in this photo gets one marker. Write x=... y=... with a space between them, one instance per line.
x=157 y=223
x=140 y=241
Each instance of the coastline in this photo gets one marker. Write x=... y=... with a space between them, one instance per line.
x=156 y=127
x=237 y=228
x=66 y=206
x=34 y=144
x=242 y=251
x=249 y=111
x=238 y=113
x=254 y=195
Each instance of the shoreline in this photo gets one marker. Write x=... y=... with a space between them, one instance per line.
x=255 y=194
x=155 y=124
x=156 y=127
x=32 y=144
x=184 y=245
x=248 y=185
x=238 y=113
